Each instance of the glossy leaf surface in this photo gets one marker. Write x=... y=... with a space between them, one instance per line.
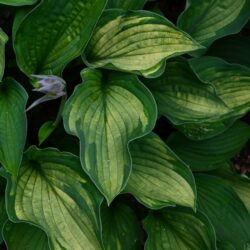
x=159 y=178
x=53 y=193
x=46 y=45
x=136 y=41
x=106 y=112
x=204 y=155
x=178 y=229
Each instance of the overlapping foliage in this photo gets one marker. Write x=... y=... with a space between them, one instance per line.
x=100 y=174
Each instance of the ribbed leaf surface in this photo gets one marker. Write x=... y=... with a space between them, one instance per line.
x=120 y=227
x=179 y=229
x=46 y=45
x=53 y=193
x=136 y=41
x=24 y=236
x=106 y=113
x=126 y=4
x=204 y=155
x=13 y=124
x=3 y=40
x=159 y=178
x=225 y=210
x=208 y=20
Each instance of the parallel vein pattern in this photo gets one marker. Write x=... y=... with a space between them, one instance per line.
x=52 y=192
x=159 y=178
x=46 y=45
x=210 y=19
x=106 y=112
x=136 y=41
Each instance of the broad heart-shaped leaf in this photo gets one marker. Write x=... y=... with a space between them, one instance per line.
x=233 y=49
x=136 y=41
x=240 y=183
x=231 y=82
x=24 y=236
x=120 y=227
x=107 y=112
x=178 y=229
x=182 y=97
x=46 y=45
x=224 y=208
x=209 y=20
x=53 y=193
x=206 y=154
x=3 y=40
x=126 y=4
x=13 y=125
x=18 y=2
x=159 y=178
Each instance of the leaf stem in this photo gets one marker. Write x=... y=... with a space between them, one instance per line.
x=59 y=114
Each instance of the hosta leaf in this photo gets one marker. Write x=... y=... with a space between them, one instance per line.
x=53 y=193
x=136 y=41
x=204 y=155
x=178 y=229
x=233 y=49
x=45 y=131
x=24 y=236
x=18 y=2
x=231 y=81
x=106 y=113
x=159 y=178
x=120 y=227
x=46 y=45
x=3 y=40
x=13 y=124
x=240 y=183
x=126 y=4
x=182 y=97
x=225 y=210
x=3 y=214
x=224 y=246
x=209 y=20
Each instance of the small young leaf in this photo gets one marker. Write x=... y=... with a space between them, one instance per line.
x=224 y=208
x=106 y=112
x=231 y=82
x=24 y=236
x=159 y=178
x=120 y=227
x=3 y=40
x=45 y=131
x=177 y=228
x=46 y=45
x=206 y=154
x=126 y=4
x=209 y=20
x=136 y=41
x=53 y=193
x=13 y=125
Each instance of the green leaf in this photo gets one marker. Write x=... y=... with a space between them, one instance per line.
x=3 y=41
x=159 y=178
x=240 y=183
x=24 y=236
x=47 y=45
x=209 y=20
x=18 y=2
x=126 y=4
x=206 y=154
x=233 y=49
x=13 y=124
x=176 y=228
x=45 y=131
x=182 y=97
x=231 y=82
x=107 y=112
x=120 y=227
x=224 y=246
x=53 y=193
x=136 y=41
x=224 y=208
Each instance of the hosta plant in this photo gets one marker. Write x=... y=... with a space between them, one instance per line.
x=124 y=124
